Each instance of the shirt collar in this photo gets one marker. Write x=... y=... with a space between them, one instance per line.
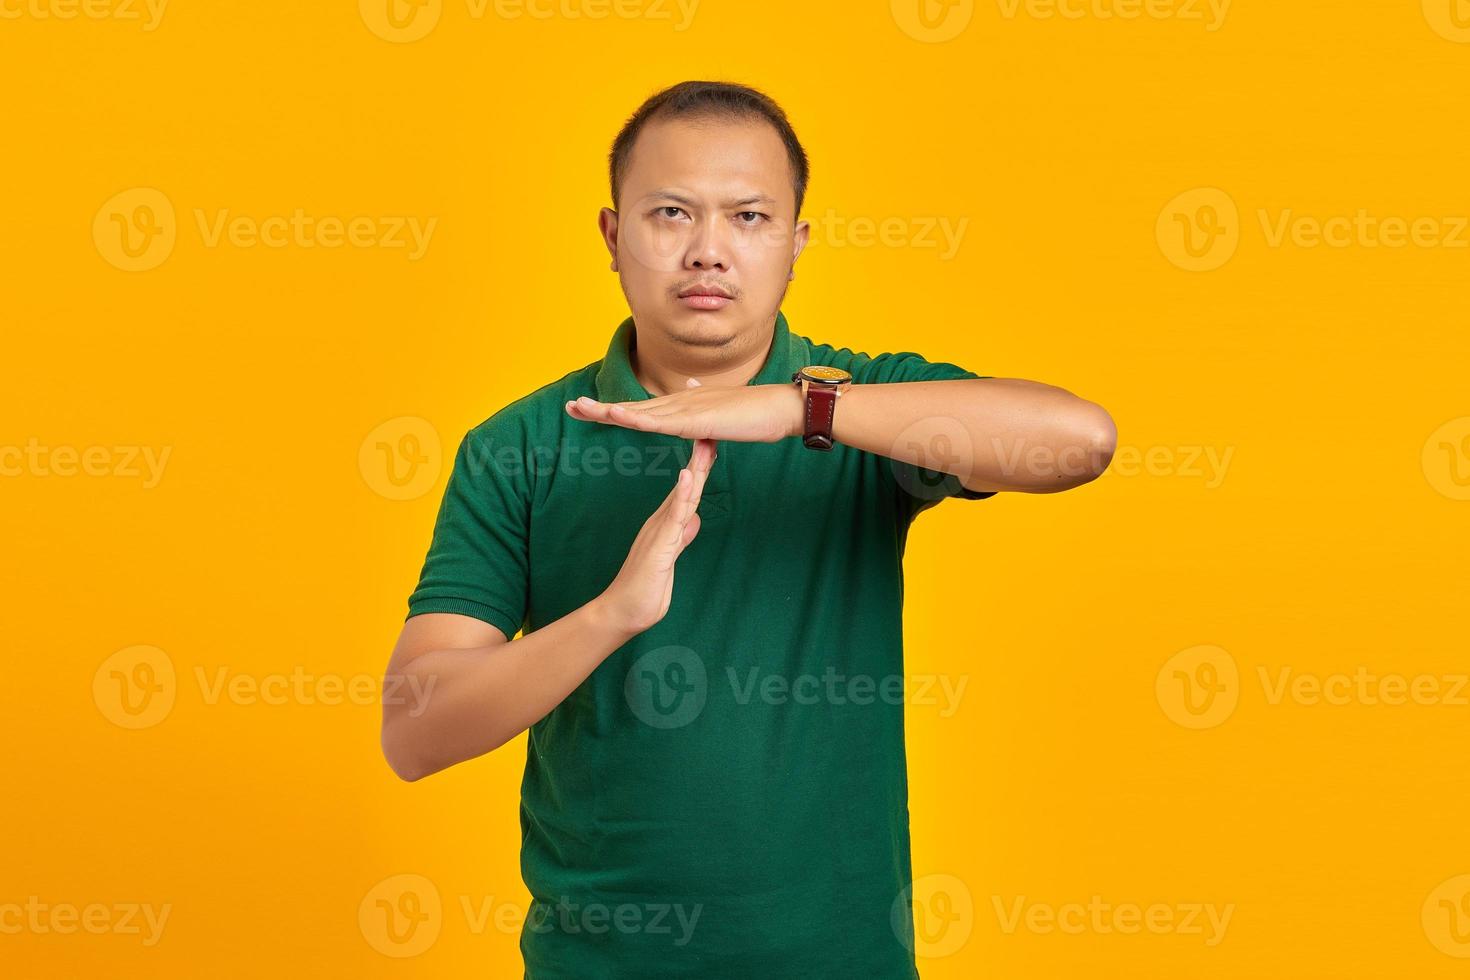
x=616 y=381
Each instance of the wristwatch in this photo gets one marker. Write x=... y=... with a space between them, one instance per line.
x=820 y=386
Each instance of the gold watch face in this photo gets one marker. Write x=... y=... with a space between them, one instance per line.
x=824 y=373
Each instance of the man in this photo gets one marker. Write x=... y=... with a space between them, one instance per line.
x=715 y=780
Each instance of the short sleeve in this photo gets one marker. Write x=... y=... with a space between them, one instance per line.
x=919 y=488
x=478 y=563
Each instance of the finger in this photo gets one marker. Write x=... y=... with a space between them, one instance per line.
x=705 y=451
x=631 y=418
x=686 y=505
x=699 y=459
x=700 y=475
x=590 y=410
x=680 y=508
x=702 y=457
x=697 y=491
x=641 y=403
x=671 y=501
x=595 y=411
x=587 y=413
x=638 y=421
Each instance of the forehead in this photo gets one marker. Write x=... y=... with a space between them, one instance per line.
x=711 y=157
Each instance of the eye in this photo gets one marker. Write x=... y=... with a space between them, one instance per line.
x=753 y=214
x=662 y=212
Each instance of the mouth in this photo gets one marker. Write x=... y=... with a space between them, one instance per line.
x=705 y=298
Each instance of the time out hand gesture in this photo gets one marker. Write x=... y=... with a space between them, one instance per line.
x=639 y=596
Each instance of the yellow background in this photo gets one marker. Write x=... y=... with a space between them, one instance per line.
x=1332 y=543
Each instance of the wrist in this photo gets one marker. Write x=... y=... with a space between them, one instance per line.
x=604 y=618
x=796 y=410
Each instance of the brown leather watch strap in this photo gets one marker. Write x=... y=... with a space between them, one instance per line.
x=821 y=404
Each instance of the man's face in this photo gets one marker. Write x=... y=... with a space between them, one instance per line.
x=705 y=205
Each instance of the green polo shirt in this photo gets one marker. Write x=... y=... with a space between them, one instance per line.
x=726 y=794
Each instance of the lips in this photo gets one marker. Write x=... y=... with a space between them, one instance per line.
x=705 y=301
x=705 y=298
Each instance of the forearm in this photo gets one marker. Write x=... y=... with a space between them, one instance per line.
x=473 y=700
x=994 y=433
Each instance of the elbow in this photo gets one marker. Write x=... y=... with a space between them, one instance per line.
x=1101 y=438
x=406 y=769
x=1091 y=441
x=397 y=752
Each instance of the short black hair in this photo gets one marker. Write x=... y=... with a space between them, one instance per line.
x=718 y=100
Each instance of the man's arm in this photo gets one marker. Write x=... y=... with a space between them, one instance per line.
x=993 y=433
x=456 y=688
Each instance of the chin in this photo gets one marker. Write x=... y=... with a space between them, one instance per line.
x=703 y=327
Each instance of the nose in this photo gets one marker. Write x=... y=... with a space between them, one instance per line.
x=710 y=246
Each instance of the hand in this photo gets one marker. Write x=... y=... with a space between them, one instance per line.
x=749 y=413
x=639 y=596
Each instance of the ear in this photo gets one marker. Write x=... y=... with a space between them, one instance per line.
x=607 y=225
x=799 y=238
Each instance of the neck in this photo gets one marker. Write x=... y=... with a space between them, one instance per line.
x=664 y=365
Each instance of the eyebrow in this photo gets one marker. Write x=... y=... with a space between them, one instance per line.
x=676 y=196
